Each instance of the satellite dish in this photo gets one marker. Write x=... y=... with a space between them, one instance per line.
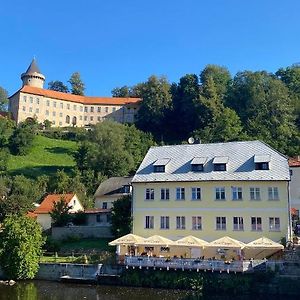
x=191 y=140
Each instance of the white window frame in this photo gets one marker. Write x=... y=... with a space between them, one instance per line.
x=149 y=194
x=221 y=223
x=273 y=193
x=196 y=223
x=196 y=193
x=255 y=194
x=180 y=193
x=237 y=193
x=164 y=222
x=274 y=224
x=165 y=194
x=149 y=222
x=255 y=225
x=180 y=222
x=238 y=223
x=220 y=193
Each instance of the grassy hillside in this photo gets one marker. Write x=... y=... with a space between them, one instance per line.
x=46 y=156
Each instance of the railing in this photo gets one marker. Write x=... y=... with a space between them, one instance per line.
x=187 y=264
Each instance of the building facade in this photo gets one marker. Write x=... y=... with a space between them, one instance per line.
x=64 y=109
x=236 y=189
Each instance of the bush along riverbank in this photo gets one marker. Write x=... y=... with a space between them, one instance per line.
x=205 y=283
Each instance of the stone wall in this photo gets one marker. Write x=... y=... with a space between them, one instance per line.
x=60 y=233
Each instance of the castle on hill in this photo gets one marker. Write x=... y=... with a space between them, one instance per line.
x=64 y=109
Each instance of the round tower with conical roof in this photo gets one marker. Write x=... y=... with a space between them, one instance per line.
x=33 y=76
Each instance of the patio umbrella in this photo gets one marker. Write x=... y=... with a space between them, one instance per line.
x=226 y=242
x=262 y=248
x=156 y=240
x=128 y=239
x=191 y=241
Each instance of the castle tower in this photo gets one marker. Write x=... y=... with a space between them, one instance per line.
x=33 y=76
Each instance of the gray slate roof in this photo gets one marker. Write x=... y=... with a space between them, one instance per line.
x=112 y=186
x=33 y=68
x=240 y=165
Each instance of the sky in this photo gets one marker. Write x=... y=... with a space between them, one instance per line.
x=114 y=43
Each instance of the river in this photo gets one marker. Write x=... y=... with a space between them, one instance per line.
x=47 y=290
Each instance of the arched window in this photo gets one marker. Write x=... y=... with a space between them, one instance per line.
x=74 y=121
x=68 y=119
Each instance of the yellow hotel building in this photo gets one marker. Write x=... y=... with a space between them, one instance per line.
x=236 y=189
x=65 y=109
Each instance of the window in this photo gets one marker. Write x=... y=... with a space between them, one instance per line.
x=149 y=194
x=53 y=122
x=256 y=224
x=92 y=108
x=108 y=218
x=254 y=193
x=164 y=194
x=48 y=103
x=68 y=119
x=54 y=103
x=196 y=223
x=113 y=109
x=53 y=113
x=219 y=167
x=126 y=189
x=60 y=123
x=238 y=223
x=159 y=169
x=273 y=193
x=80 y=118
x=60 y=114
x=106 y=109
x=180 y=193
x=220 y=193
x=180 y=222
x=81 y=108
x=24 y=108
x=85 y=118
x=98 y=119
x=47 y=112
x=149 y=222
x=74 y=107
x=30 y=109
x=274 y=224
x=164 y=222
x=37 y=110
x=220 y=223
x=37 y=101
x=68 y=106
x=31 y=99
x=24 y=98
x=61 y=105
x=262 y=166
x=237 y=193
x=98 y=218
x=196 y=193
x=85 y=109
x=197 y=167
x=99 y=109
x=104 y=205
x=92 y=118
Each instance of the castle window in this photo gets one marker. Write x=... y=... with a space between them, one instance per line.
x=92 y=108
x=85 y=118
x=54 y=103
x=80 y=118
x=60 y=123
x=47 y=112
x=262 y=162
x=81 y=108
x=99 y=119
x=68 y=106
x=24 y=108
x=85 y=109
x=60 y=114
x=99 y=109
x=48 y=103
x=106 y=109
x=53 y=113
x=24 y=98
x=31 y=99
x=61 y=105
x=92 y=118
x=37 y=110
x=220 y=223
x=37 y=101
x=74 y=107
x=68 y=119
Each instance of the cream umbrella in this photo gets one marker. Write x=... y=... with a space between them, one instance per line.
x=226 y=242
x=128 y=239
x=191 y=241
x=262 y=248
x=156 y=240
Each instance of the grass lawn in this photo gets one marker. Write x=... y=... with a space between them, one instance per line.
x=46 y=157
x=100 y=244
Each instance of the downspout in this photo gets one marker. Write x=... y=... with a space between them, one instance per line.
x=290 y=234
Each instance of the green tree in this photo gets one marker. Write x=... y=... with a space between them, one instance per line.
x=77 y=84
x=60 y=213
x=58 y=86
x=6 y=130
x=123 y=91
x=21 y=244
x=47 y=124
x=156 y=96
x=20 y=142
x=60 y=182
x=121 y=220
x=3 y=99
x=4 y=157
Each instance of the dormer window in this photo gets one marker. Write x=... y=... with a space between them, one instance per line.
x=262 y=162
x=197 y=164
x=160 y=165
x=220 y=163
x=126 y=189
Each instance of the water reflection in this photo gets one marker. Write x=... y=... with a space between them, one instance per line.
x=46 y=290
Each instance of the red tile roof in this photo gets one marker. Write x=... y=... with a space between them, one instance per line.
x=78 y=99
x=31 y=214
x=48 y=202
x=294 y=161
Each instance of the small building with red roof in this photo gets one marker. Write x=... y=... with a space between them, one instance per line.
x=294 y=164
x=42 y=212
